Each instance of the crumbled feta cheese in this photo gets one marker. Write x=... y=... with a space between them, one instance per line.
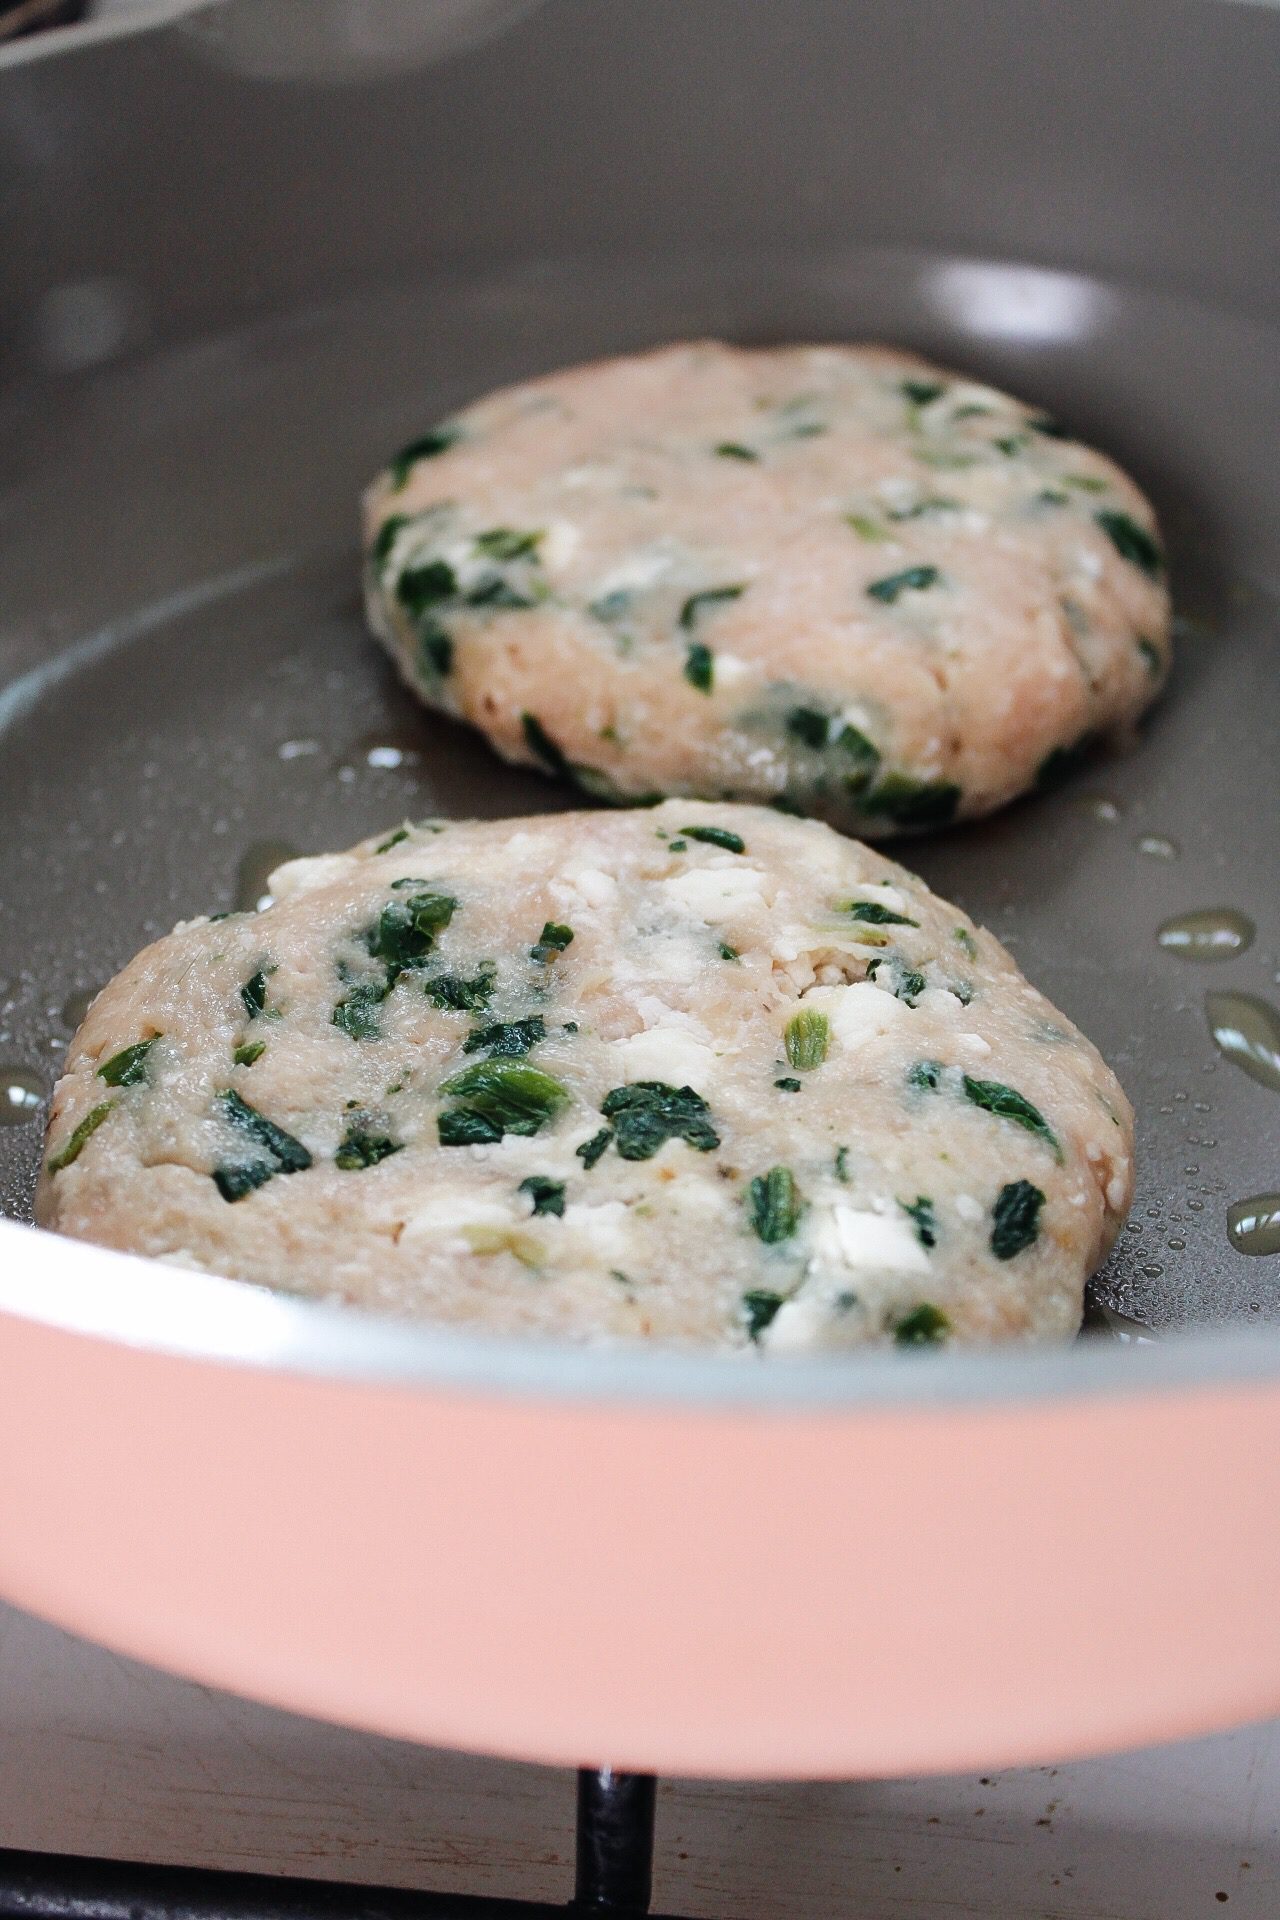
x=665 y=1053
x=868 y=1242
x=717 y=894
x=858 y=1013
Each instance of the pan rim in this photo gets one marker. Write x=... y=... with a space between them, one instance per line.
x=124 y=1300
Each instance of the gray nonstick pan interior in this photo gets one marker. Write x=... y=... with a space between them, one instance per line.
x=203 y=363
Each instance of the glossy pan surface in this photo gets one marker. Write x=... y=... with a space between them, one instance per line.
x=208 y=345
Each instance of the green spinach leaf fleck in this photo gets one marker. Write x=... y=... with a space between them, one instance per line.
x=75 y=1141
x=130 y=1067
x=924 y=1326
x=1015 y=1218
x=506 y=1039
x=910 y=580
x=648 y=1113
x=808 y=1036
x=774 y=1204
x=716 y=837
x=547 y=1195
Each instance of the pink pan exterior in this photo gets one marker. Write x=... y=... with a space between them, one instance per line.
x=656 y=1563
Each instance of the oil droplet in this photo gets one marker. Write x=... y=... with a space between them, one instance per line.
x=257 y=863
x=1156 y=847
x=1176 y=1245
x=1253 y=1226
x=1153 y=1270
x=21 y=1095
x=76 y=1006
x=388 y=748
x=1099 y=807
x=297 y=749
x=1207 y=933
x=1247 y=1031
x=1102 y=1319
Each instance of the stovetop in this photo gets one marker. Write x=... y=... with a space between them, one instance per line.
x=99 y=1756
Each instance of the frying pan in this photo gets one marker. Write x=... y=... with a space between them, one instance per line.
x=222 y=300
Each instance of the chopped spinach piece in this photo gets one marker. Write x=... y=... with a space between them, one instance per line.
x=507 y=1094
x=922 y=1217
x=648 y=1113
x=407 y=928
x=1061 y=763
x=1006 y=1103
x=921 y=392
x=877 y=915
x=253 y=994
x=966 y=942
x=1151 y=656
x=734 y=450
x=925 y=1326
x=425 y=585
x=439 y=440
x=866 y=758
x=809 y=725
x=235 y=1181
x=911 y=579
x=904 y=983
x=385 y=538
x=590 y=1150
x=547 y=1195
x=364 y=1146
x=787 y=1084
x=926 y=1074
x=1132 y=542
x=865 y=527
x=699 y=603
x=774 y=1204
x=842 y=1164
x=543 y=747
x=506 y=1039
x=435 y=650
x=464 y=1127
x=716 y=837
x=553 y=939
x=1015 y=1218
x=699 y=667
x=1053 y=497
x=503 y=543
x=1014 y=444
x=727 y=952
x=783 y=803
x=913 y=803
x=1044 y=423
x=927 y=509
x=246 y=1054
x=760 y=1306
x=357 y=1013
x=288 y=1153
x=808 y=1036
x=453 y=993
x=392 y=840
x=678 y=846
x=494 y=591
x=128 y=1068
x=71 y=1149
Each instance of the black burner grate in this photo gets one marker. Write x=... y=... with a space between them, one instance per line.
x=614 y=1878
